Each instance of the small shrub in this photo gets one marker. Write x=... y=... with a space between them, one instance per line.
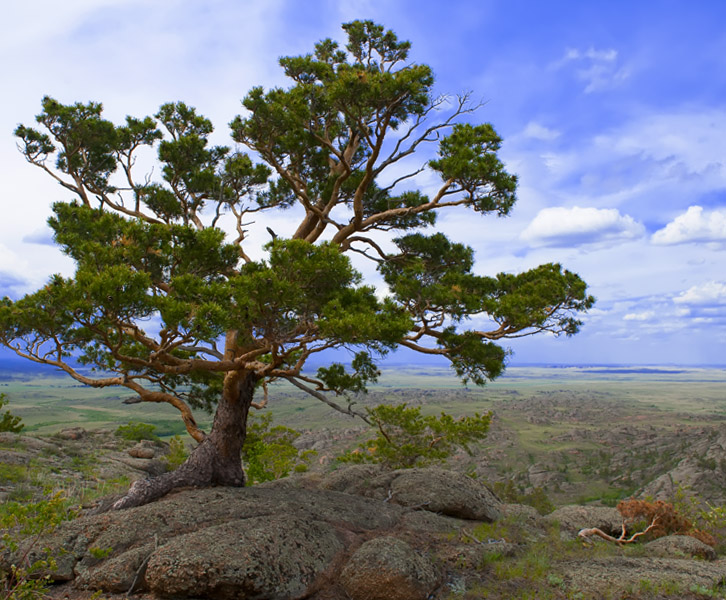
x=8 y=422
x=136 y=431
x=12 y=473
x=177 y=454
x=704 y=516
x=537 y=498
x=405 y=438
x=23 y=526
x=269 y=453
x=100 y=553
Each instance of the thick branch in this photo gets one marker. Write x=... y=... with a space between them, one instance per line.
x=316 y=394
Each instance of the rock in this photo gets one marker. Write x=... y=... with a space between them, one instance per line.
x=542 y=476
x=680 y=546
x=523 y=513
x=260 y=557
x=436 y=490
x=387 y=568
x=141 y=450
x=31 y=443
x=445 y=492
x=220 y=542
x=71 y=433
x=119 y=574
x=618 y=576
x=152 y=467
x=9 y=457
x=574 y=518
x=351 y=480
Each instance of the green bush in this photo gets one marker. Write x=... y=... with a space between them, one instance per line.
x=12 y=473
x=269 y=453
x=136 y=431
x=404 y=438
x=537 y=498
x=23 y=526
x=177 y=454
x=7 y=421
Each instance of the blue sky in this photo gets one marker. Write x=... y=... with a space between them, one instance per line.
x=613 y=115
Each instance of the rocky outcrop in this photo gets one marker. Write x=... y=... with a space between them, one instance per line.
x=387 y=568
x=284 y=539
x=571 y=519
x=435 y=490
x=297 y=538
x=256 y=557
x=680 y=546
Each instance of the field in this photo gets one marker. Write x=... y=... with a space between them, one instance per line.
x=48 y=402
x=578 y=433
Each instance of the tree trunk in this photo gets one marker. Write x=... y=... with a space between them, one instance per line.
x=217 y=460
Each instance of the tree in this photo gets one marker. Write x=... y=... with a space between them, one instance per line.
x=167 y=304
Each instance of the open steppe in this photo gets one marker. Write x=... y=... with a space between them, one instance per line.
x=579 y=433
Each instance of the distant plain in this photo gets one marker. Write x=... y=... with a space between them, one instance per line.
x=581 y=433
x=48 y=401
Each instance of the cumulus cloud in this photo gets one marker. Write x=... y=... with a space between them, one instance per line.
x=540 y=132
x=695 y=225
x=709 y=294
x=560 y=226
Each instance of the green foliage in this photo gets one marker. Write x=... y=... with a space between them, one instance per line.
x=12 y=473
x=177 y=453
x=703 y=515
x=537 y=498
x=269 y=453
x=22 y=526
x=405 y=438
x=100 y=553
x=8 y=422
x=136 y=431
x=152 y=247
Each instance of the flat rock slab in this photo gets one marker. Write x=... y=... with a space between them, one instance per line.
x=270 y=541
x=624 y=575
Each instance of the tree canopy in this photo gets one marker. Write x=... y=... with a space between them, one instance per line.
x=171 y=300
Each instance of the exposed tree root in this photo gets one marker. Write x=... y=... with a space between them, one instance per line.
x=623 y=539
x=204 y=467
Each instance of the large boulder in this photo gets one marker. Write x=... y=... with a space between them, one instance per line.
x=436 y=490
x=260 y=557
x=573 y=518
x=387 y=568
x=680 y=546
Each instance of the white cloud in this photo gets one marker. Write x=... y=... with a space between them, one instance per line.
x=540 y=132
x=598 y=69
x=639 y=316
x=711 y=293
x=689 y=143
x=560 y=226
x=695 y=225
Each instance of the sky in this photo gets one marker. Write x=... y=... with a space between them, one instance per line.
x=613 y=116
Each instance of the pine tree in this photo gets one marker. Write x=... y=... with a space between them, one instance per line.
x=168 y=304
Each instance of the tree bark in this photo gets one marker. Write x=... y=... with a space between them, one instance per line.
x=218 y=458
